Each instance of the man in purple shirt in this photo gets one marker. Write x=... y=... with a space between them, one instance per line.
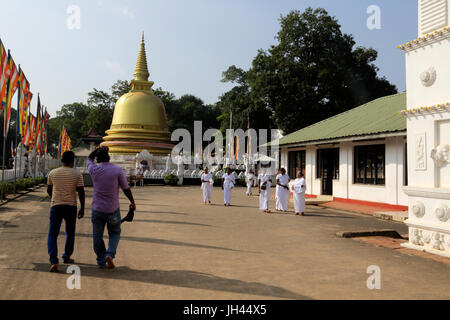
x=107 y=179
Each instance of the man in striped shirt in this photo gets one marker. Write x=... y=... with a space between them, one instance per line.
x=62 y=186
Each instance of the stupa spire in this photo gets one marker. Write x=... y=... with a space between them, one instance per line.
x=141 y=73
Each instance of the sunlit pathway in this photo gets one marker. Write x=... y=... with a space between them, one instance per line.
x=178 y=248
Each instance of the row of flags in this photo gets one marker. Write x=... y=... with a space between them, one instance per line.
x=32 y=130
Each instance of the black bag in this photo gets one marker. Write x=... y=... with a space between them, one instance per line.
x=263 y=187
x=130 y=216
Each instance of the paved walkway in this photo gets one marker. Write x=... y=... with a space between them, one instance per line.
x=178 y=248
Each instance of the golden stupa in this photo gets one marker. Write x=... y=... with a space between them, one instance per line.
x=139 y=122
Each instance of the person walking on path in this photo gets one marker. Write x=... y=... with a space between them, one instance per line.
x=206 y=186
x=107 y=178
x=282 y=191
x=62 y=186
x=249 y=179
x=228 y=181
x=299 y=189
x=265 y=182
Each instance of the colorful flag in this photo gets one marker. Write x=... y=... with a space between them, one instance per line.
x=4 y=74
x=13 y=84
x=22 y=112
x=31 y=132
x=45 y=131
x=38 y=130
x=12 y=150
x=62 y=141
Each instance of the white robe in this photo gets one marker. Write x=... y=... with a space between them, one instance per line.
x=206 y=186
x=249 y=178
x=299 y=195
x=227 y=187
x=264 y=197
x=282 y=194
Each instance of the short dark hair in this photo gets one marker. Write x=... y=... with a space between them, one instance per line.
x=68 y=157
x=103 y=155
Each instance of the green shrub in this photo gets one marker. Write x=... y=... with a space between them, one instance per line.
x=21 y=184
x=217 y=181
x=171 y=179
x=241 y=182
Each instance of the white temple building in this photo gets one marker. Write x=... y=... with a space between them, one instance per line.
x=428 y=128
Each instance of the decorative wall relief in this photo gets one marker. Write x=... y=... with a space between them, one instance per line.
x=438 y=241
x=421 y=160
x=443 y=213
x=418 y=209
x=441 y=155
x=428 y=77
x=416 y=237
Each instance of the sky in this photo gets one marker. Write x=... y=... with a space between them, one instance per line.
x=189 y=42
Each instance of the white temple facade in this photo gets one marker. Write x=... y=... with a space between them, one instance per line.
x=428 y=129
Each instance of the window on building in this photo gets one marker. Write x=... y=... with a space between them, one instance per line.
x=370 y=164
x=297 y=162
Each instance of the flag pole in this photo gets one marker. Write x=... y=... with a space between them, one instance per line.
x=4 y=135
x=17 y=129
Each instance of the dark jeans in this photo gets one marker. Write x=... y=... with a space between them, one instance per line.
x=112 y=222
x=57 y=215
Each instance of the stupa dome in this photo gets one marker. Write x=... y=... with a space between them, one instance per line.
x=139 y=121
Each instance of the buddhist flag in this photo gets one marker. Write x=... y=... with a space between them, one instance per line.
x=38 y=131
x=31 y=132
x=22 y=112
x=4 y=73
x=45 y=131
x=13 y=84
x=62 y=140
x=12 y=150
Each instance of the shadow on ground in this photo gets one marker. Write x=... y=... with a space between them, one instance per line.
x=162 y=241
x=172 y=222
x=183 y=279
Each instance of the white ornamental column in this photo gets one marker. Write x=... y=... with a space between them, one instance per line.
x=428 y=122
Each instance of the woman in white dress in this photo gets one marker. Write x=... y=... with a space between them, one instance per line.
x=228 y=182
x=282 y=191
x=299 y=189
x=206 y=186
x=265 y=182
x=249 y=178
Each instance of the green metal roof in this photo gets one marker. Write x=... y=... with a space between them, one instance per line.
x=379 y=116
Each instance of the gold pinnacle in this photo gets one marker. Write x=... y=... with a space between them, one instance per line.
x=141 y=73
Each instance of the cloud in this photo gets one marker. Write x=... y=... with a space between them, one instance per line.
x=113 y=66
x=127 y=12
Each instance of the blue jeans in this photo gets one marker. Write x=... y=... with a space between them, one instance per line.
x=57 y=215
x=112 y=222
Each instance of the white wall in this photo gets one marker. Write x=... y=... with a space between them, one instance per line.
x=390 y=193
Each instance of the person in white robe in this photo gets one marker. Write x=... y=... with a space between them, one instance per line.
x=228 y=182
x=249 y=179
x=299 y=189
x=206 y=186
x=282 y=191
x=265 y=182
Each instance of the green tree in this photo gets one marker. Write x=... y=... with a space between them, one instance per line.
x=314 y=72
x=245 y=111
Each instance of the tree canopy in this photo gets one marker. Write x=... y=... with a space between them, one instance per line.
x=312 y=73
